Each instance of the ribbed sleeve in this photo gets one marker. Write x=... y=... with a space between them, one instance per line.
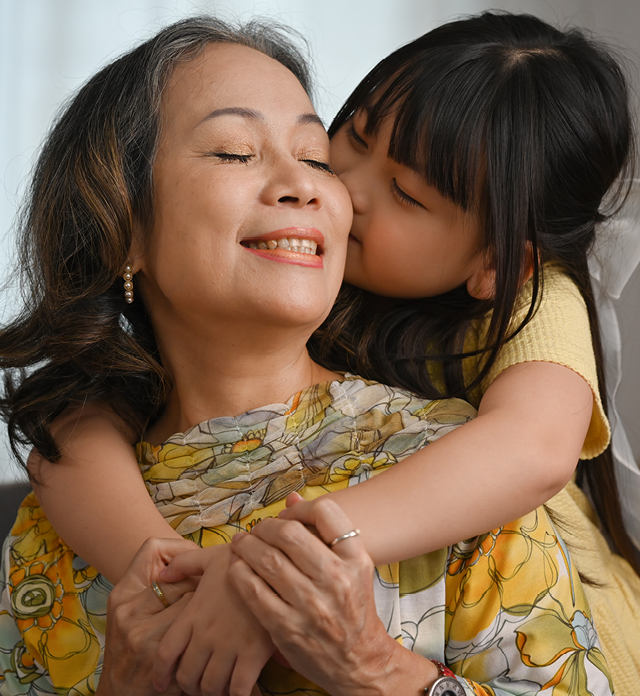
x=559 y=332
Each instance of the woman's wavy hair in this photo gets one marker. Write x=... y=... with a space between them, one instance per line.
x=529 y=127
x=76 y=339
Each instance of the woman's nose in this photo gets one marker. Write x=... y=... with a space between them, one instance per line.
x=292 y=183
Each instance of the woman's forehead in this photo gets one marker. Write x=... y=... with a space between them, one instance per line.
x=226 y=75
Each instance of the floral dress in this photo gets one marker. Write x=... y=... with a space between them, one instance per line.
x=505 y=611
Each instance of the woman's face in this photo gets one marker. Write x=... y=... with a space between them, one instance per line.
x=250 y=224
x=407 y=240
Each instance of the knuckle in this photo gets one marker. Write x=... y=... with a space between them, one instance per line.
x=185 y=682
x=292 y=531
x=121 y=615
x=240 y=687
x=272 y=562
x=325 y=506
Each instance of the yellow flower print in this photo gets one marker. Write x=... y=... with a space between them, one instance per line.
x=546 y=638
x=252 y=523
x=252 y=440
x=353 y=466
x=36 y=596
x=51 y=618
x=493 y=573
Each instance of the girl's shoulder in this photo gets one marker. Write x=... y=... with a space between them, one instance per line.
x=558 y=332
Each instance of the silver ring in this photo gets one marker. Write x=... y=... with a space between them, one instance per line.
x=348 y=535
x=160 y=594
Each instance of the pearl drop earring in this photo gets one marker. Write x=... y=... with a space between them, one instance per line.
x=128 y=284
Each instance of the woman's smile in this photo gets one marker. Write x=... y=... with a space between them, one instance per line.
x=297 y=245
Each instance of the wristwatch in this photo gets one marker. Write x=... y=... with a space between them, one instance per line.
x=446 y=684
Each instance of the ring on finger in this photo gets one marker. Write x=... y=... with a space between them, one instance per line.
x=342 y=537
x=160 y=594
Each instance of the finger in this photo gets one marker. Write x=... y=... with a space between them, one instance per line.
x=305 y=550
x=246 y=672
x=293 y=499
x=261 y=600
x=173 y=643
x=217 y=675
x=276 y=569
x=191 y=563
x=149 y=561
x=332 y=523
x=301 y=510
x=192 y=665
x=173 y=591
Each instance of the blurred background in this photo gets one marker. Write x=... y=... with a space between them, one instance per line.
x=49 y=47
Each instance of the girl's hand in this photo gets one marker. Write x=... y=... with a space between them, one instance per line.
x=216 y=644
x=317 y=604
x=303 y=511
x=137 y=621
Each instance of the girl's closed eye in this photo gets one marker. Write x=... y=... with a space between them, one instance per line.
x=404 y=197
x=354 y=136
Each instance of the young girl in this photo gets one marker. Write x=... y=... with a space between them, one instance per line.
x=480 y=159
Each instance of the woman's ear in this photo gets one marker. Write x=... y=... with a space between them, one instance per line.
x=482 y=282
x=135 y=256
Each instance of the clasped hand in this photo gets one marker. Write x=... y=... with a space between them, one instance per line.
x=279 y=588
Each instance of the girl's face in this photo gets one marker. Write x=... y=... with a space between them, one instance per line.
x=406 y=240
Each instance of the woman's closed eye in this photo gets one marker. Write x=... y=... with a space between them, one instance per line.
x=404 y=197
x=317 y=164
x=231 y=157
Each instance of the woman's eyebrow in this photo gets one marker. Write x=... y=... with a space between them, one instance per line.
x=256 y=115
x=235 y=111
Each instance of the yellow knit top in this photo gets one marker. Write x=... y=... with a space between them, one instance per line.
x=559 y=332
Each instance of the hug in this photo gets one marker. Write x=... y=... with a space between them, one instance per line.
x=296 y=401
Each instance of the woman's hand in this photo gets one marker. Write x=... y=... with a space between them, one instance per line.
x=317 y=604
x=137 y=621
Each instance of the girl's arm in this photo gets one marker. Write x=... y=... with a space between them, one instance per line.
x=94 y=496
x=521 y=450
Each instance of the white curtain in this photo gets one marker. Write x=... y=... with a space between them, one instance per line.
x=49 y=47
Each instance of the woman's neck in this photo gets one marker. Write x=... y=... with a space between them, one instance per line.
x=231 y=375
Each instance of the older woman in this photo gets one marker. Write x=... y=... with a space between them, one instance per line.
x=196 y=167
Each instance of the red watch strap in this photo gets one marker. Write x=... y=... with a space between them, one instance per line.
x=443 y=670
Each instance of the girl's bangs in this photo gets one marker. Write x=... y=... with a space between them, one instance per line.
x=437 y=131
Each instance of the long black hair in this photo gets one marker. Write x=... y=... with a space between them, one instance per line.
x=530 y=128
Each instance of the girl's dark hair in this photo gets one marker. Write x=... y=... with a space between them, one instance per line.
x=76 y=339
x=530 y=128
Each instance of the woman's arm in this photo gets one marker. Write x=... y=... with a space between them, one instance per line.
x=521 y=450
x=94 y=496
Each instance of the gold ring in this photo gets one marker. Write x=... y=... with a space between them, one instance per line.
x=160 y=594
x=348 y=535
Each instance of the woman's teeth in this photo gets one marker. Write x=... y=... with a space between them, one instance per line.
x=301 y=246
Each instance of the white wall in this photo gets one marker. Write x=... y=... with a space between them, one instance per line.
x=49 y=47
